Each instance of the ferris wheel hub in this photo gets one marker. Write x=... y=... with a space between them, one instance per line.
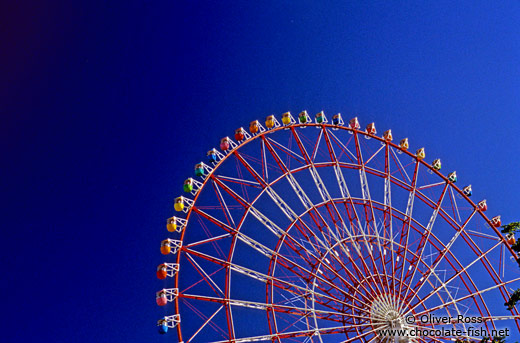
x=385 y=315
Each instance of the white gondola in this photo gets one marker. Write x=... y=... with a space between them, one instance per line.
x=304 y=118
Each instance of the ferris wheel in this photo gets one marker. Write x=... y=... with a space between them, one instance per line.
x=318 y=231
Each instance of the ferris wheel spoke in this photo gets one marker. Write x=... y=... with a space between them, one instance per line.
x=407 y=225
x=366 y=194
x=388 y=217
x=483 y=235
x=425 y=237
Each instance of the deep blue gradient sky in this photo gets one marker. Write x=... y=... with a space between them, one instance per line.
x=106 y=106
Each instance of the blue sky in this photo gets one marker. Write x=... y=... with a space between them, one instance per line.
x=107 y=106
